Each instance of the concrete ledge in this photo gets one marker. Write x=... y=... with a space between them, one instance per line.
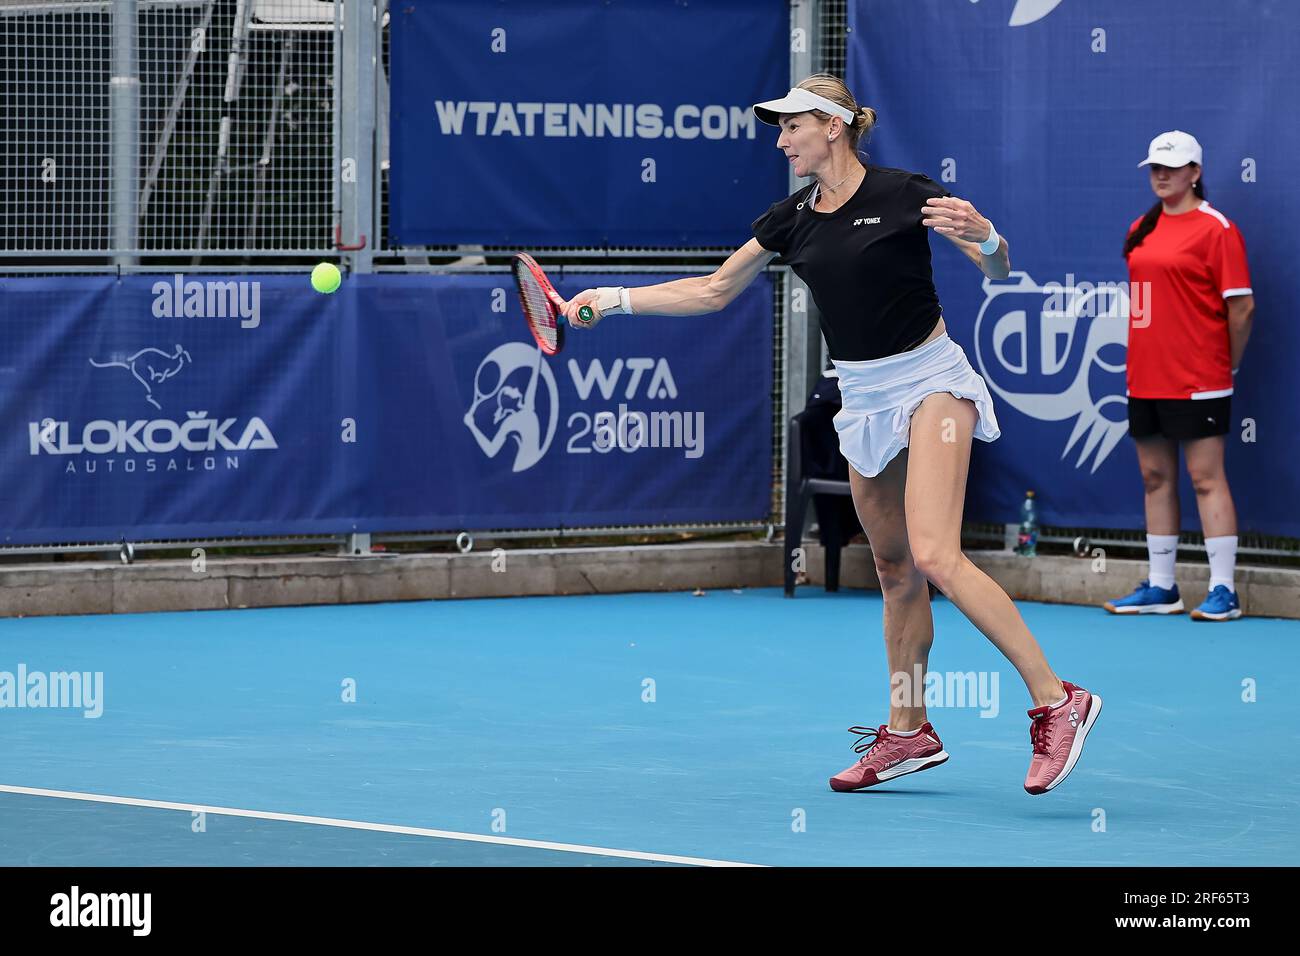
x=109 y=587
x=1055 y=579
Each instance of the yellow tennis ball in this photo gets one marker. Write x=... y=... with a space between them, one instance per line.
x=325 y=277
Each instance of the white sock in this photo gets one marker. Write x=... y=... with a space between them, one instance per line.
x=1162 y=551
x=904 y=733
x=1223 y=560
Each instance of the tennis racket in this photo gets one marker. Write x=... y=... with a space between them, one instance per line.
x=542 y=304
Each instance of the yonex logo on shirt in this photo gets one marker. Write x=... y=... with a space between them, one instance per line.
x=875 y=221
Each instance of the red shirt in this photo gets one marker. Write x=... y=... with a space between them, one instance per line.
x=1181 y=275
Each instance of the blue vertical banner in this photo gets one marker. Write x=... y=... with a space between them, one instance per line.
x=167 y=407
x=575 y=122
x=1038 y=112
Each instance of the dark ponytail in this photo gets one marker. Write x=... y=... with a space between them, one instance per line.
x=1144 y=228
x=1152 y=216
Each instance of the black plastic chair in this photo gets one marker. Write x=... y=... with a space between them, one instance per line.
x=814 y=467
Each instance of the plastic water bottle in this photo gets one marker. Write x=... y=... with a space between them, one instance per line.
x=1028 y=539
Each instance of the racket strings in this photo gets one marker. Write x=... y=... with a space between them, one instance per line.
x=537 y=305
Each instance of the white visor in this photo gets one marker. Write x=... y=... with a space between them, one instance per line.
x=798 y=101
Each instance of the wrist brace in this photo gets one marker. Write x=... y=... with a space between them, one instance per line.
x=990 y=245
x=613 y=300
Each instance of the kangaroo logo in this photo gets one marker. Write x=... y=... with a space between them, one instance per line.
x=142 y=364
x=1066 y=362
x=505 y=404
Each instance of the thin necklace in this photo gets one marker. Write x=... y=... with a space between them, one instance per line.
x=817 y=188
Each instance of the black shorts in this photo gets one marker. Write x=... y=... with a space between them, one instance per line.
x=1181 y=419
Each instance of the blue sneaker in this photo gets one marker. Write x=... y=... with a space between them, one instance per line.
x=1147 y=599
x=1219 y=605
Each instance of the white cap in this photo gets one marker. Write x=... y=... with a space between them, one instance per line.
x=798 y=100
x=1173 y=149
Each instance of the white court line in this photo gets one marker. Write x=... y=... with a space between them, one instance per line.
x=363 y=825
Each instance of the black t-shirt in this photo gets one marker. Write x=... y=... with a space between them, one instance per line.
x=867 y=263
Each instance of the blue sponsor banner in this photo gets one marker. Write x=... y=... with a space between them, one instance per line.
x=172 y=407
x=1038 y=112
x=584 y=123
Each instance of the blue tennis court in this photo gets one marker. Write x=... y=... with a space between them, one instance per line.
x=636 y=729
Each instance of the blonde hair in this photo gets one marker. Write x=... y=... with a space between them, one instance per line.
x=833 y=88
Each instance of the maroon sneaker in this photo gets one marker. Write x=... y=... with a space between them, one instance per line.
x=1057 y=733
x=888 y=756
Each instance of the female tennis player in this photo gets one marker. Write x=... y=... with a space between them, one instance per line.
x=1182 y=356
x=911 y=406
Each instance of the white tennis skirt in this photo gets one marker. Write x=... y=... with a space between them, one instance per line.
x=879 y=396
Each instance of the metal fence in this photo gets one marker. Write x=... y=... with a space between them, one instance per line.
x=167 y=128
x=54 y=107
x=832 y=36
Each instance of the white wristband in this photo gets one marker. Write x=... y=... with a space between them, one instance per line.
x=625 y=300
x=610 y=300
x=990 y=245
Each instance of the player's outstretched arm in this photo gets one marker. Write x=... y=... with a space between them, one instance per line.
x=697 y=295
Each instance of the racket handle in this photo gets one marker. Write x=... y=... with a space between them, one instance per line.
x=584 y=313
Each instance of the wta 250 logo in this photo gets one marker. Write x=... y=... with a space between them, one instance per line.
x=516 y=406
x=1056 y=352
